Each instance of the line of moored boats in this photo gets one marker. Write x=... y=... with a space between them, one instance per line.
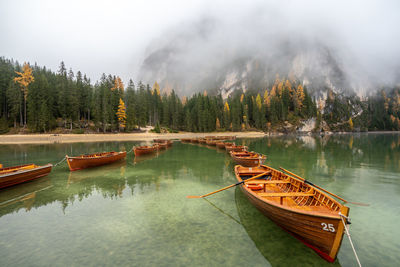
x=14 y=175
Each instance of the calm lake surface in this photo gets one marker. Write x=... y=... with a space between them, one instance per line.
x=135 y=212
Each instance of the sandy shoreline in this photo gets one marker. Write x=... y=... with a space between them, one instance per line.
x=76 y=138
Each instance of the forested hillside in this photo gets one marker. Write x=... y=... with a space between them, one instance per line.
x=36 y=99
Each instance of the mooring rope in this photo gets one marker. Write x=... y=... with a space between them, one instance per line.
x=348 y=234
x=55 y=165
x=130 y=150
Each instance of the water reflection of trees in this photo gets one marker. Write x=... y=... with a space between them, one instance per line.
x=331 y=154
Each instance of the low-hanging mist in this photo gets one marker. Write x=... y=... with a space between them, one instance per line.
x=330 y=44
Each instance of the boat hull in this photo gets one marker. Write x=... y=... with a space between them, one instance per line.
x=323 y=234
x=221 y=145
x=248 y=161
x=236 y=148
x=78 y=163
x=163 y=145
x=144 y=150
x=10 y=179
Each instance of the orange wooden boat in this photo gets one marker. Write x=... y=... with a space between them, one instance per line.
x=19 y=174
x=1 y=165
x=229 y=144
x=304 y=211
x=248 y=159
x=202 y=140
x=142 y=150
x=162 y=145
x=93 y=160
x=169 y=143
x=186 y=140
x=220 y=145
x=194 y=140
x=211 y=142
x=235 y=148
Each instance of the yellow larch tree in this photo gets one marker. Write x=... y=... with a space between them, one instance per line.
x=156 y=88
x=226 y=107
x=118 y=85
x=273 y=91
x=24 y=79
x=280 y=88
x=267 y=100
x=258 y=102
x=121 y=114
x=288 y=86
x=300 y=95
x=226 y=115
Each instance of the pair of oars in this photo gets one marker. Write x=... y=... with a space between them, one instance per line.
x=232 y=185
x=326 y=191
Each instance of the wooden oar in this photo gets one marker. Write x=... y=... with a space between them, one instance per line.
x=326 y=191
x=232 y=185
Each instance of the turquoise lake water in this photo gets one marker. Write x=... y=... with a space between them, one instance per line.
x=135 y=212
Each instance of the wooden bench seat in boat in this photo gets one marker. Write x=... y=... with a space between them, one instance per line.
x=290 y=194
x=268 y=182
x=283 y=195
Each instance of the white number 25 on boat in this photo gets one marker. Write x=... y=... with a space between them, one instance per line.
x=328 y=227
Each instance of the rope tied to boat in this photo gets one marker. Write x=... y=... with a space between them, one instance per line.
x=130 y=150
x=61 y=161
x=348 y=235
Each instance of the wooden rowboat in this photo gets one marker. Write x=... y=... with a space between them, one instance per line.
x=235 y=148
x=202 y=140
x=248 y=159
x=142 y=150
x=304 y=211
x=19 y=174
x=93 y=160
x=185 y=140
x=1 y=165
x=195 y=140
x=211 y=142
x=162 y=145
x=220 y=145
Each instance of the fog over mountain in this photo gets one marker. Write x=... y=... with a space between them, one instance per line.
x=324 y=44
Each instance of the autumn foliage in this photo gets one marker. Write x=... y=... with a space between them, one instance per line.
x=121 y=114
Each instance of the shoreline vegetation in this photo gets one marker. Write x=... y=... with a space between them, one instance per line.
x=21 y=139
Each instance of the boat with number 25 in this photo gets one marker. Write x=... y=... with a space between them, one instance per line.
x=309 y=214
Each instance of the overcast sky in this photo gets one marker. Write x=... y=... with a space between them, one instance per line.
x=112 y=36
